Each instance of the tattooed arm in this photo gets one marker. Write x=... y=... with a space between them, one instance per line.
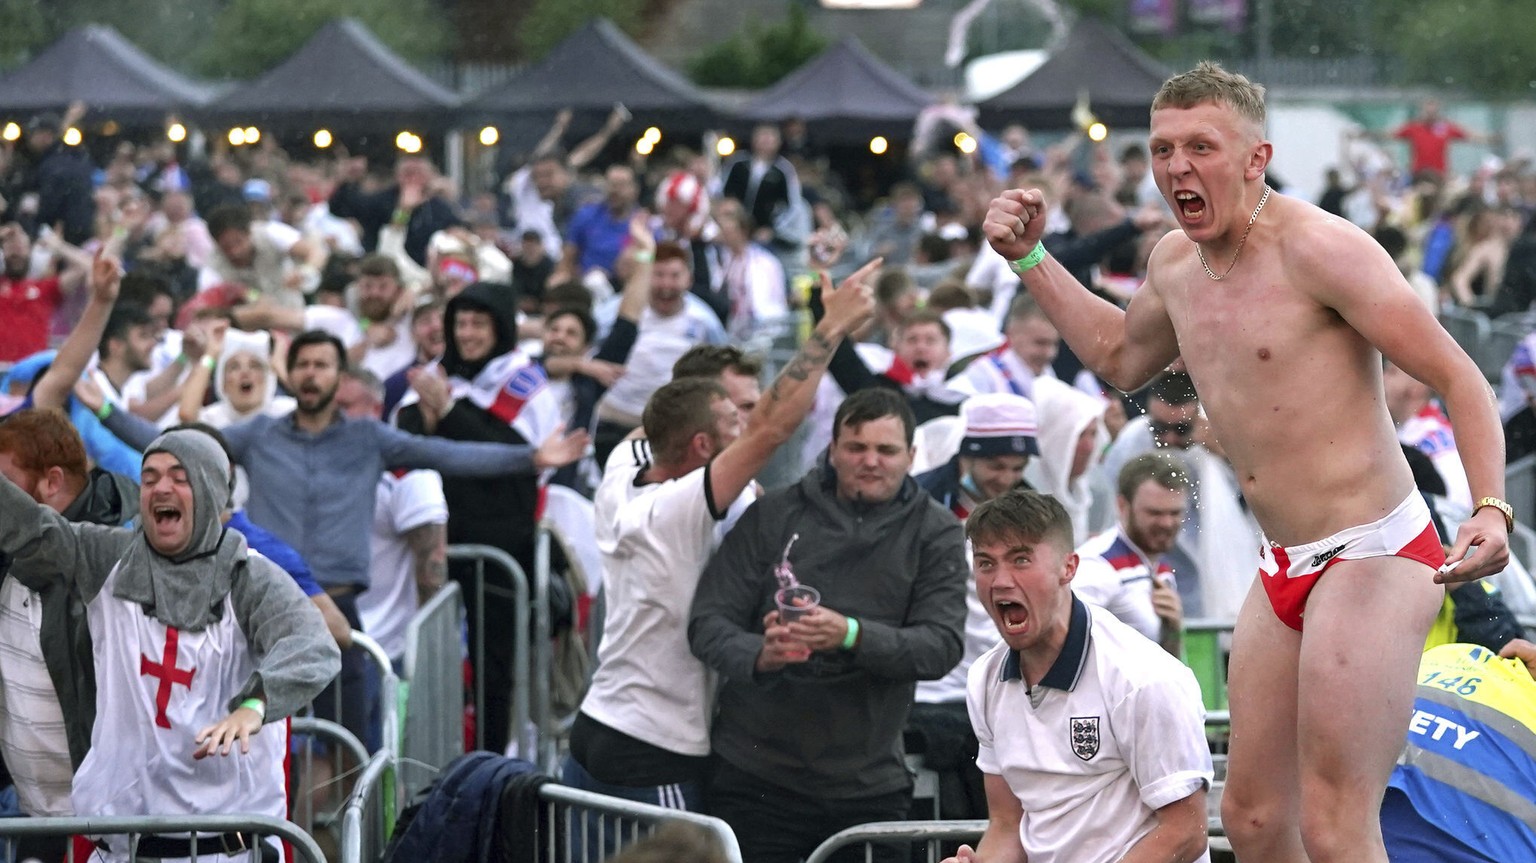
x=429 y=549
x=792 y=394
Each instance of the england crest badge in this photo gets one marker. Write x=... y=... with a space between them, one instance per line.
x=1085 y=737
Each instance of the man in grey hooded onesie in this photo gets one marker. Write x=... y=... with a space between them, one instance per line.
x=201 y=647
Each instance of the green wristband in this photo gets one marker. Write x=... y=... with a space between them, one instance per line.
x=257 y=705
x=852 y=637
x=208 y=362
x=1028 y=262
x=104 y=411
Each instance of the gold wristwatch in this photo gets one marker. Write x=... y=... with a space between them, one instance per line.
x=1501 y=506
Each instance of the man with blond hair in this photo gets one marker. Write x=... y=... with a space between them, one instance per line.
x=1282 y=314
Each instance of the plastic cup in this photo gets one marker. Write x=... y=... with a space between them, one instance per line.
x=796 y=602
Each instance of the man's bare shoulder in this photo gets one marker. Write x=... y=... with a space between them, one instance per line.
x=1324 y=254
x=1173 y=251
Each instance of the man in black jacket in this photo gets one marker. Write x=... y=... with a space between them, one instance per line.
x=808 y=730
x=486 y=390
x=62 y=180
x=410 y=203
x=767 y=186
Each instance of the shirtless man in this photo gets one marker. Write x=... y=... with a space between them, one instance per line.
x=1279 y=311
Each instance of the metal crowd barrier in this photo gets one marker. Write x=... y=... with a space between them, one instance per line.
x=545 y=750
x=135 y=828
x=1494 y=352
x=531 y=654
x=1468 y=327
x=931 y=834
x=433 y=732
x=571 y=815
x=369 y=817
x=341 y=755
x=389 y=690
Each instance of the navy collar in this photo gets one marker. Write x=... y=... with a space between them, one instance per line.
x=1069 y=664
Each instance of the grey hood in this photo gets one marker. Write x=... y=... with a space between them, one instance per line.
x=187 y=591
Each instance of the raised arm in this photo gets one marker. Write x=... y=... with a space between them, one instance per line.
x=1124 y=348
x=195 y=389
x=52 y=390
x=587 y=150
x=466 y=458
x=791 y=395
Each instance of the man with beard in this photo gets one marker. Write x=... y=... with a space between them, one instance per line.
x=27 y=305
x=599 y=230
x=387 y=346
x=1122 y=570
x=200 y=647
x=427 y=337
x=486 y=389
x=314 y=474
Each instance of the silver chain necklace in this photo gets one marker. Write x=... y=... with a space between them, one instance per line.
x=1263 y=199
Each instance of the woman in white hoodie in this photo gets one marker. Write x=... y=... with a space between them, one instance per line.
x=243 y=378
x=1072 y=438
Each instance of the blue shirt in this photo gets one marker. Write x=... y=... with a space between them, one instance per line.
x=316 y=491
x=265 y=543
x=597 y=236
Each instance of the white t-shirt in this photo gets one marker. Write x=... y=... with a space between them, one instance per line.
x=396 y=355
x=654 y=540
x=32 y=734
x=660 y=343
x=1115 y=731
x=401 y=504
x=1115 y=575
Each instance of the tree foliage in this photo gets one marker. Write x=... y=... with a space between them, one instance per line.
x=251 y=36
x=25 y=28
x=1486 y=47
x=758 y=56
x=550 y=21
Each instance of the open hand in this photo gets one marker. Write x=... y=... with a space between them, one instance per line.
x=89 y=393
x=560 y=449
x=219 y=738
x=1015 y=222
x=640 y=237
x=431 y=386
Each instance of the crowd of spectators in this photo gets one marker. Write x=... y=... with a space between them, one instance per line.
x=394 y=366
